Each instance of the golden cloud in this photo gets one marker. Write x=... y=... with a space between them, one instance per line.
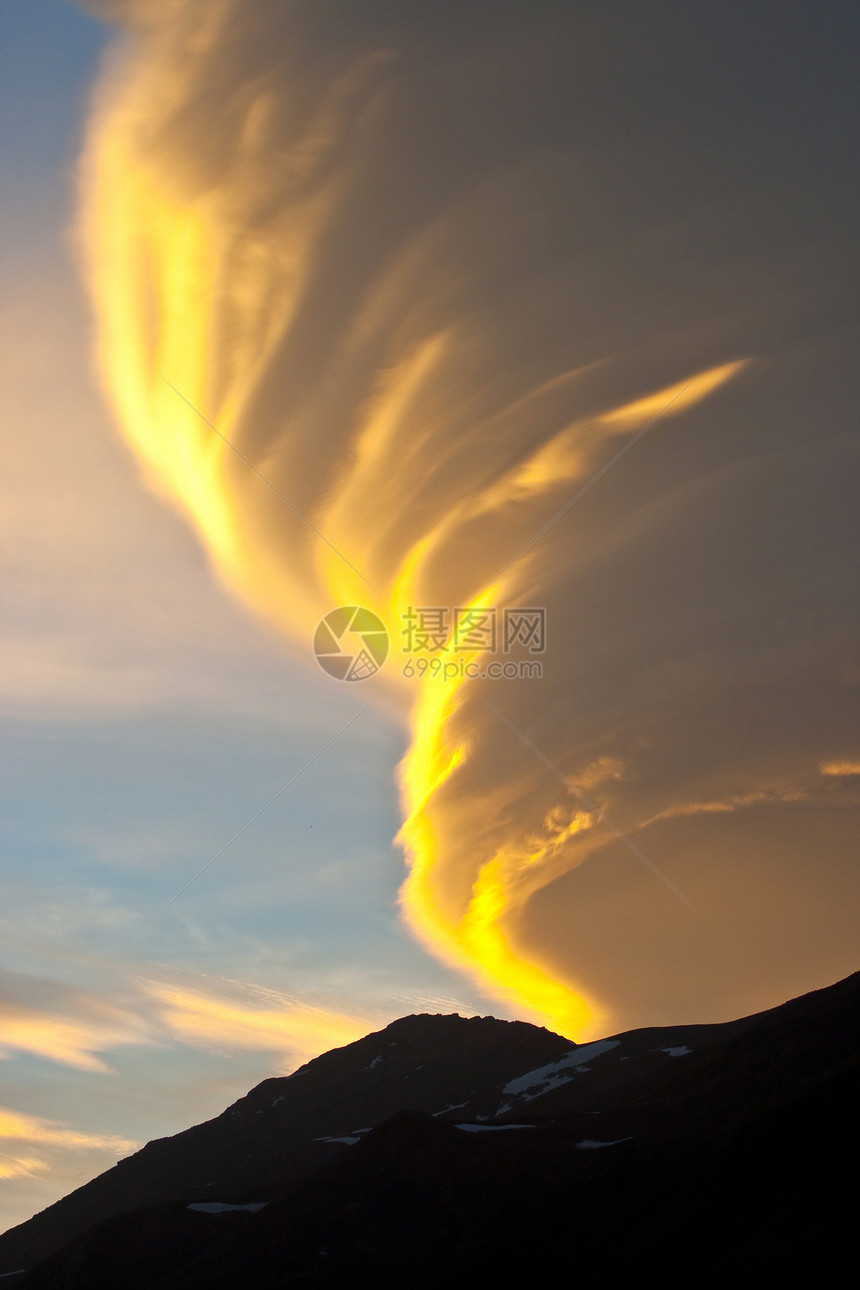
x=29 y=1128
x=305 y=297
x=75 y=1038
x=299 y=1031
x=841 y=768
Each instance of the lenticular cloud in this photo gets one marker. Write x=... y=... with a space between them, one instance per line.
x=383 y=292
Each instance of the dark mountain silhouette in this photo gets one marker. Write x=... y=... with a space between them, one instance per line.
x=283 y=1129
x=446 y=1150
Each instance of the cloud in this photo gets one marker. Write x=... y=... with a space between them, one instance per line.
x=75 y=1027
x=108 y=605
x=518 y=313
x=841 y=768
x=296 y=1030
x=48 y=1136
x=20 y=1167
x=61 y=1024
x=27 y=1128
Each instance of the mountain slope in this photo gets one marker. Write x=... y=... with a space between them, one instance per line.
x=280 y=1129
x=712 y=1144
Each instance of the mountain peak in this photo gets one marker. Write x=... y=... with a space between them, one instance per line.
x=431 y=1094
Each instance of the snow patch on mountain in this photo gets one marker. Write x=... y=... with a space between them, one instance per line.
x=490 y=1128
x=537 y=1082
x=589 y=1144
x=222 y=1207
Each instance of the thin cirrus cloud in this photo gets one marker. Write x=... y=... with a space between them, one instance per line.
x=808 y=788
x=294 y=1030
x=58 y=1023
x=47 y=1135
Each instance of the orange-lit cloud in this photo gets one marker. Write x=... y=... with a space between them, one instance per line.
x=77 y=1038
x=46 y=1136
x=297 y=1031
x=20 y=1166
x=28 y=1128
x=376 y=361
x=88 y=625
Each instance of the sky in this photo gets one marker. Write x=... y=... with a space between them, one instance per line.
x=531 y=318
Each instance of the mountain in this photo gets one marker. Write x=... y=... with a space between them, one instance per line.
x=444 y=1148
x=290 y=1127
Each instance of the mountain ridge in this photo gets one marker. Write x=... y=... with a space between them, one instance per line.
x=376 y=1109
